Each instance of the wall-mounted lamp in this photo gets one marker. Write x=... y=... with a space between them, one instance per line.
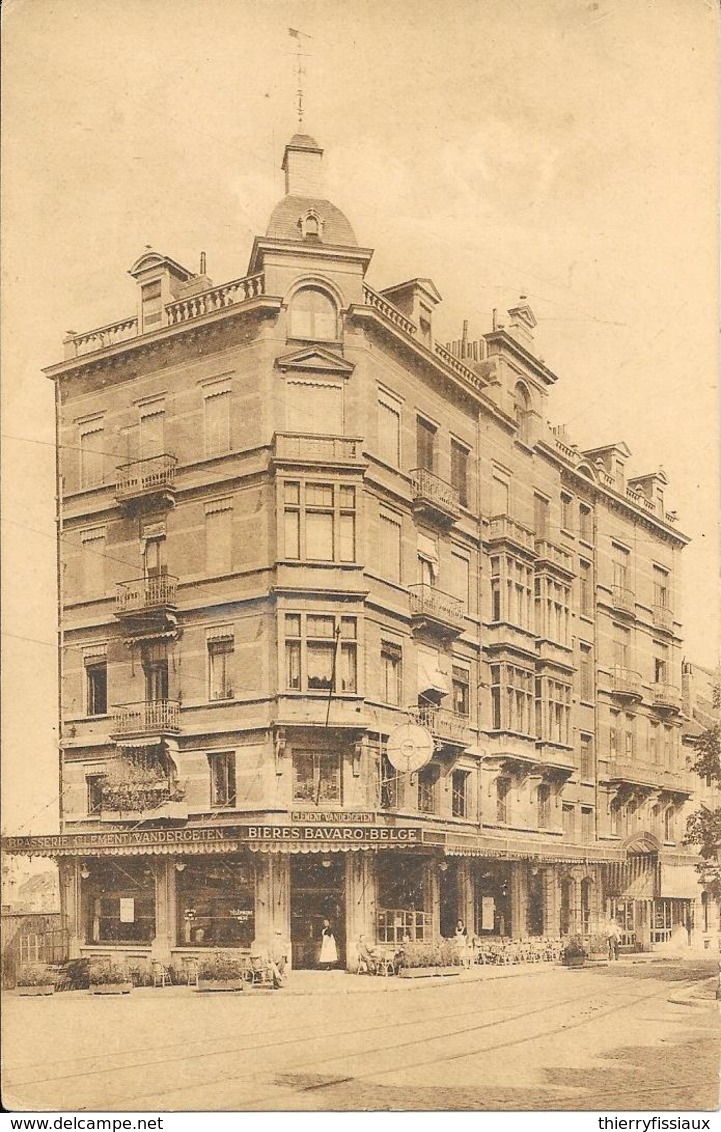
x=84 y=871
x=326 y=862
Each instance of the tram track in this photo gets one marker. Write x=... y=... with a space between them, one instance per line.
x=251 y=1046
x=156 y=1096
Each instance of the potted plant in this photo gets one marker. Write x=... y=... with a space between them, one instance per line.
x=221 y=972
x=423 y=960
x=34 y=979
x=109 y=978
x=574 y=953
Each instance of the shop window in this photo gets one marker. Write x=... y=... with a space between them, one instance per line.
x=389 y=430
x=319 y=521
x=459 y=471
x=426 y=435
x=428 y=789
x=401 y=899
x=220 y=668
x=313 y=315
x=222 y=778
x=321 y=653
x=503 y=796
x=391 y=672
x=389 y=779
x=316 y=777
x=459 y=796
x=119 y=902
x=216 y=904
x=96 y=687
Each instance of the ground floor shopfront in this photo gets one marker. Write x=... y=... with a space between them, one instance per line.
x=168 y=894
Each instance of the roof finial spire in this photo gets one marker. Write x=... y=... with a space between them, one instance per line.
x=300 y=70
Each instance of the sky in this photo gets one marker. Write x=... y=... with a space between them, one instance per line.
x=563 y=149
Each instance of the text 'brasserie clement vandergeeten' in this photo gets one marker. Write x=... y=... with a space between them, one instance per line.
x=293 y=522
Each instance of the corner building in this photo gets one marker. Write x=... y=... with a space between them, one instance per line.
x=291 y=521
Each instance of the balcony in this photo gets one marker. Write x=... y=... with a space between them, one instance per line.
x=330 y=451
x=150 y=479
x=663 y=618
x=625 y=683
x=432 y=609
x=446 y=726
x=433 y=498
x=143 y=596
x=504 y=529
x=148 y=717
x=623 y=600
x=549 y=555
x=135 y=797
x=666 y=697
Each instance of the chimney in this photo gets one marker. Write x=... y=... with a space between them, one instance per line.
x=303 y=167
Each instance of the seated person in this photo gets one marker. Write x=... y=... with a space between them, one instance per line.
x=367 y=956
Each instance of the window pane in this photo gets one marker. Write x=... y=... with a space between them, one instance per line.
x=389 y=434
x=217 y=424
x=97 y=688
x=329 y=778
x=292 y=534
x=313 y=408
x=152 y=434
x=292 y=660
x=347 y=538
x=349 y=666
x=291 y=492
x=390 y=549
x=319 y=535
x=304 y=784
x=426 y=445
x=319 y=494
x=218 y=542
x=313 y=315
x=93 y=566
x=92 y=458
x=320 y=665
x=320 y=626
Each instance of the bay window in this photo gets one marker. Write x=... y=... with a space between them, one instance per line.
x=319 y=521
x=321 y=651
x=511 y=590
x=512 y=698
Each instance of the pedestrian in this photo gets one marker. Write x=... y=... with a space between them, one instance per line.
x=461 y=941
x=278 y=959
x=613 y=933
x=328 y=949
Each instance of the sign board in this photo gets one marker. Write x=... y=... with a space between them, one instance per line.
x=356 y=817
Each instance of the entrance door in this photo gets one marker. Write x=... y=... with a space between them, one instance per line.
x=317 y=893
x=450 y=904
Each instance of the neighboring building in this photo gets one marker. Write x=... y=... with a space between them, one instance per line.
x=291 y=522
x=699 y=692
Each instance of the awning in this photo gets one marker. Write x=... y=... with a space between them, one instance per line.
x=428 y=550
x=680 y=882
x=430 y=677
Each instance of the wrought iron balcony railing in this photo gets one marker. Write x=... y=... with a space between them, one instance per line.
x=429 y=603
x=148 y=717
x=442 y=723
x=433 y=493
x=625 y=682
x=623 y=599
x=666 y=696
x=663 y=617
x=145 y=477
x=145 y=595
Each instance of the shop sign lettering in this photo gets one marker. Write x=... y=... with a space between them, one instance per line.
x=332 y=817
x=332 y=833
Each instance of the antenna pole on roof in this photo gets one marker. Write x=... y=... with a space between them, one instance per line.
x=300 y=71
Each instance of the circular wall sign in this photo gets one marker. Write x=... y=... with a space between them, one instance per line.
x=409 y=747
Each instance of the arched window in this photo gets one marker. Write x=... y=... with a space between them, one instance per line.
x=313 y=315
x=522 y=408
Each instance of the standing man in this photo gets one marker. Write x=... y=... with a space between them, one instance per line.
x=614 y=938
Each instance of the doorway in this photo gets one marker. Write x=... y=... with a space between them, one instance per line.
x=317 y=893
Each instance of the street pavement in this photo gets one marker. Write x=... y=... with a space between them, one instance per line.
x=627 y=1036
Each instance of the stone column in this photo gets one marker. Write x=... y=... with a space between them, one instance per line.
x=272 y=898
x=360 y=903
x=432 y=897
x=551 y=904
x=519 y=899
x=70 y=903
x=164 y=873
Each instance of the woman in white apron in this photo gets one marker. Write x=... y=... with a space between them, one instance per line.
x=328 y=949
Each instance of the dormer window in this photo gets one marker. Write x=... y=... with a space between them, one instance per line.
x=313 y=315
x=311 y=226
